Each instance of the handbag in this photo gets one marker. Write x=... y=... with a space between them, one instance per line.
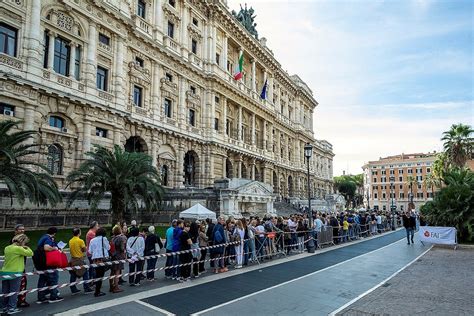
x=77 y=262
x=56 y=259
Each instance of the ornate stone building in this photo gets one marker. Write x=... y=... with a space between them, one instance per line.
x=156 y=76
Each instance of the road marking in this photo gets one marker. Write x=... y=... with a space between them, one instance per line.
x=153 y=307
x=213 y=277
x=378 y=285
x=290 y=281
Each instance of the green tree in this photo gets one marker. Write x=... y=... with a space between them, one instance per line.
x=411 y=181
x=441 y=165
x=453 y=205
x=128 y=177
x=458 y=144
x=17 y=168
x=429 y=182
x=347 y=185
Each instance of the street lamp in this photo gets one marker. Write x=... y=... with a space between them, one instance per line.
x=392 y=207
x=368 y=202
x=308 y=152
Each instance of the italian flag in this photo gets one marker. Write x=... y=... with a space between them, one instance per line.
x=240 y=67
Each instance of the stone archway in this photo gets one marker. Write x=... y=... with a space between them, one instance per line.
x=136 y=144
x=275 y=183
x=191 y=168
x=290 y=186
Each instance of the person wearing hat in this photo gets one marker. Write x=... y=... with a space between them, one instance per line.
x=15 y=255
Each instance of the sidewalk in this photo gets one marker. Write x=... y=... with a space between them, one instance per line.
x=439 y=283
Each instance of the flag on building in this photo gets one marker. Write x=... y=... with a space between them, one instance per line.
x=240 y=67
x=263 y=95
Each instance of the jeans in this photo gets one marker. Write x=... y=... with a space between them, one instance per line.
x=203 y=257
x=91 y=271
x=246 y=252
x=252 y=249
x=169 y=263
x=74 y=277
x=138 y=267
x=9 y=286
x=410 y=232
x=150 y=265
x=260 y=246
x=48 y=279
x=176 y=271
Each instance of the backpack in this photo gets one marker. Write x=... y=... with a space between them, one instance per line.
x=39 y=259
x=218 y=238
x=112 y=247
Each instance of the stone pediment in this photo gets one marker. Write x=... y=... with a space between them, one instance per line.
x=254 y=188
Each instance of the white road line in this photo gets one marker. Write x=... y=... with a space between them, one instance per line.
x=378 y=285
x=155 y=308
x=290 y=281
x=213 y=277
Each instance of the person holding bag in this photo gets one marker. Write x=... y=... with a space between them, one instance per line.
x=119 y=242
x=77 y=247
x=99 y=249
x=135 y=251
x=153 y=246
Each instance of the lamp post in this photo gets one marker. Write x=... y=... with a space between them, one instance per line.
x=392 y=207
x=308 y=152
x=368 y=202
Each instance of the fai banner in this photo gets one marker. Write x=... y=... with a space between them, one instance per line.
x=438 y=235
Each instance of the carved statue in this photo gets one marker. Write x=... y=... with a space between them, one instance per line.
x=246 y=17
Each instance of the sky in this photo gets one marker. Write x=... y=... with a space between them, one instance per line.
x=389 y=76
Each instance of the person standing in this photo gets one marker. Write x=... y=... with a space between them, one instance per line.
x=186 y=257
x=15 y=255
x=239 y=248
x=169 y=273
x=135 y=251
x=177 y=247
x=77 y=248
x=99 y=249
x=151 y=243
x=409 y=222
x=203 y=243
x=47 y=244
x=218 y=238
x=194 y=235
x=93 y=227
x=119 y=241
x=20 y=229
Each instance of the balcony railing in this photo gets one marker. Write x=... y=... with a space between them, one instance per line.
x=142 y=25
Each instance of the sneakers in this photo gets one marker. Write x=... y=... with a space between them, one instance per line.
x=43 y=301
x=88 y=291
x=55 y=299
x=13 y=311
x=99 y=294
x=75 y=292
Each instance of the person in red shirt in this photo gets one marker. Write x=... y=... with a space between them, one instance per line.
x=93 y=227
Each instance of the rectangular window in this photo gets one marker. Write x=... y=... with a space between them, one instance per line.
x=172 y=3
x=375 y=195
x=401 y=186
x=138 y=96
x=100 y=132
x=392 y=171
x=139 y=61
x=170 y=29
x=401 y=195
x=419 y=195
x=400 y=179
x=46 y=49
x=400 y=171
x=194 y=46
x=216 y=124
x=375 y=180
x=169 y=77
x=383 y=195
x=195 y=22
x=192 y=117
x=384 y=171
x=428 y=170
x=218 y=58
x=168 y=106
x=227 y=127
x=384 y=207
x=62 y=53
x=141 y=9
x=104 y=39
x=193 y=89
x=102 y=78
x=217 y=100
x=8 y=39
x=7 y=109
x=77 y=63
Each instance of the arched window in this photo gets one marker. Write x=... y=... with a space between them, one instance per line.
x=164 y=175
x=56 y=121
x=55 y=159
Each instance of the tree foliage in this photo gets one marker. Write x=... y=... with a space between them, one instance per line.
x=453 y=205
x=458 y=144
x=347 y=186
x=130 y=178
x=17 y=170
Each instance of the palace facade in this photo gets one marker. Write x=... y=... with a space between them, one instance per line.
x=156 y=76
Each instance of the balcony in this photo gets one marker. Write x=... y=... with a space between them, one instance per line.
x=171 y=44
x=142 y=25
x=105 y=48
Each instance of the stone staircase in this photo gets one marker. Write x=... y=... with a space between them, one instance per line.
x=285 y=209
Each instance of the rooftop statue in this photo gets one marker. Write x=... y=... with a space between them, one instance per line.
x=246 y=17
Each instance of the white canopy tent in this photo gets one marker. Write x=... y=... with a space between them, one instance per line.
x=198 y=211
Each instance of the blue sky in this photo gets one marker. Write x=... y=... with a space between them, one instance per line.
x=389 y=76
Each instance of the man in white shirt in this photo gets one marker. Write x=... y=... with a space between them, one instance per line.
x=292 y=224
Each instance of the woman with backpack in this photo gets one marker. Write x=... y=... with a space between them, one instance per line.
x=99 y=249
x=118 y=246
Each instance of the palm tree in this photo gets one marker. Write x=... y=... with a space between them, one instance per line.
x=429 y=182
x=128 y=177
x=17 y=168
x=458 y=144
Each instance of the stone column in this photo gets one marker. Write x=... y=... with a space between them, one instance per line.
x=270 y=89
x=117 y=137
x=72 y=59
x=311 y=120
x=239 y=127
x=212 y=111
x=34 y=37
x=224 y=115
x=154 y=151
x=214 y=43
x=239 y=167
x=182 y=102
x=270 y=140
x=86 y=143
x=254 y=75
x=184 y=31
x=52 y=38
x=264 y=128
x=225 y=52
x=253 y=129
x=156 y=91
x=91 y=67
x=252 y=166
x=119 y=78
x=29 y=120
x=179 y=181
x=158 y=21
